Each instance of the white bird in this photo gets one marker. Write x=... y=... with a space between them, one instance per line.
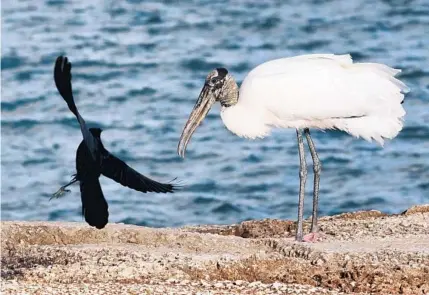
x=323 y=91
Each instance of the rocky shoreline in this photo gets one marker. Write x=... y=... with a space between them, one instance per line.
x=361 y=253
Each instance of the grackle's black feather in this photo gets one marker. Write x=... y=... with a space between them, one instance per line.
x=93 y=160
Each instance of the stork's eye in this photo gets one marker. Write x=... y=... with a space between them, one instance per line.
x=214 y=80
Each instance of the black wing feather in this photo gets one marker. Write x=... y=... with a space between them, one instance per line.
x=119 y=171
x=62 y=77
x=94 y=205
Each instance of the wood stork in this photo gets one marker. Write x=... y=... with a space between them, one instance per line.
x=92 y=160
x=323 y=91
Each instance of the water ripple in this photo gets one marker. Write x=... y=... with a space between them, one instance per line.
x=138 y=68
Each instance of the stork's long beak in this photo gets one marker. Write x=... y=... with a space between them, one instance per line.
x=201 y=108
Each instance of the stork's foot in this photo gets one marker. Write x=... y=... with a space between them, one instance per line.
x=313 y=237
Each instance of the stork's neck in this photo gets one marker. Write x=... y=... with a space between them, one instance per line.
x=242 y=119
x=245 y=120
x=229 y=95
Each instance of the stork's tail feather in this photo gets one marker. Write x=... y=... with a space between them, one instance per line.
x=386 y=72
x=385 y=114
x=374 y=127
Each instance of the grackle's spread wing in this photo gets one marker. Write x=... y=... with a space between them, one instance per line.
x=62 y=77
x=119 y=171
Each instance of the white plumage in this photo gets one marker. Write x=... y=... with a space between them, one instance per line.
x=323 y=91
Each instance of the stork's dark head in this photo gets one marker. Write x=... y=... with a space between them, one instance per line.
x=96 y=132
x=219 y=86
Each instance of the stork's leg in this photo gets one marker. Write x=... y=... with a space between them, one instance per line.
x=316 y=168
x=302 y=179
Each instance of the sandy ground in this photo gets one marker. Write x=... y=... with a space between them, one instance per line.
x=361 y=253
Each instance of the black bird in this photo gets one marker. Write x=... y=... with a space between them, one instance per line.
x=92 y=160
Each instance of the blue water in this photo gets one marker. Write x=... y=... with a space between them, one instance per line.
x=138 y=68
